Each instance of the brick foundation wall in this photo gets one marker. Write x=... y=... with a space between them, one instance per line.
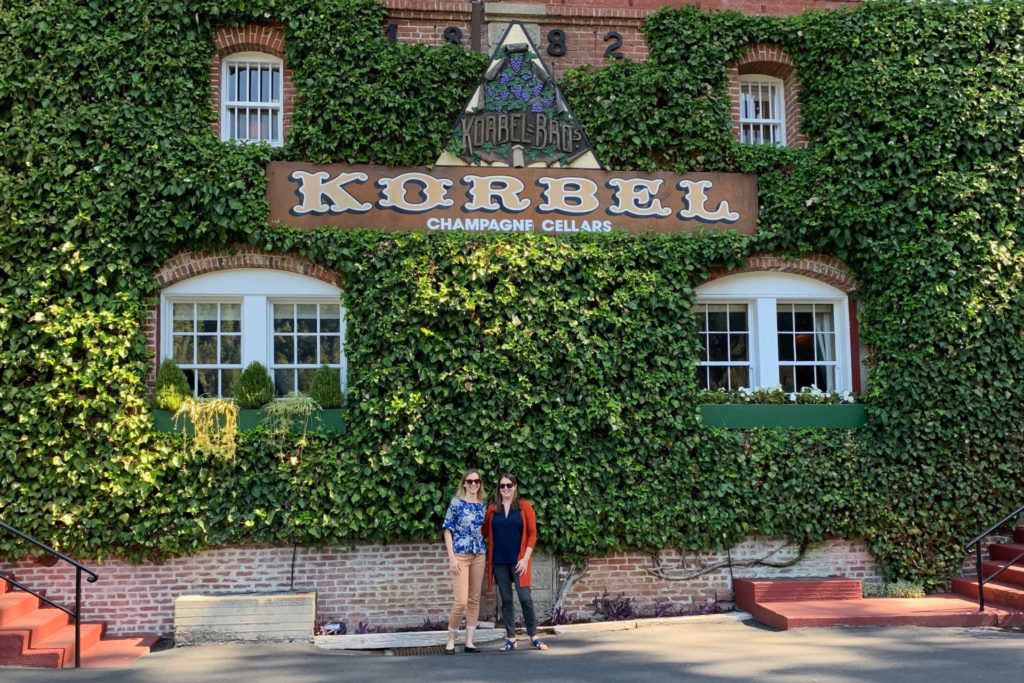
x=404 y=583
x=642 y=577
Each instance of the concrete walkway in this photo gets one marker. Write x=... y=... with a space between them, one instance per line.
x=717 y=653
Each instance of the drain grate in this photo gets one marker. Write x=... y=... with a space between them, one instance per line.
x=428 y=650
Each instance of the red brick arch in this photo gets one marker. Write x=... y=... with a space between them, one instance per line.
x=823 y=268
x=769 y=60
x=190 y=264
x=268 y=39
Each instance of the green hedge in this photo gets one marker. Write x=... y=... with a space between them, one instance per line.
x=569 y=361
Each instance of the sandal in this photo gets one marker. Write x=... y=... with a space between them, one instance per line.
x=509 y=645
x=539 y=644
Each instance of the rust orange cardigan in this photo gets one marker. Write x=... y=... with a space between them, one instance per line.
x=529 y=539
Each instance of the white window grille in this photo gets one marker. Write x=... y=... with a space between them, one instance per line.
x=306 y=336
x=206 y=342
x=725 y=346
x=251 y=98
x=765 y=329
x=222 y=321
x=762 y=110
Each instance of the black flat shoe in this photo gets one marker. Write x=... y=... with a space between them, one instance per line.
x=471 y=650
x=449 y=652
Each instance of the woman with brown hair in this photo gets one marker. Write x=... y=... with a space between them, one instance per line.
x=510 y=526
x=466 y=548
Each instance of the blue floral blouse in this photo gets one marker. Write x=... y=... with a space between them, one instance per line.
x=464 y=520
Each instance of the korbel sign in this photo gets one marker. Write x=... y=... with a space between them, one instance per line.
x=543 y=200
x=517 y=160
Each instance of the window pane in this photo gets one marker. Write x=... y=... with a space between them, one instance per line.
x=275 y=92
x=206 y=317
x=184 y=320
x=190 y=376
x=264 y=133
x=330 y=350
x=284 y=381
x=803 y=315
x=702 y=318
x=825 y=377
x=717 y=377
x=227 y=378
x=243 y=84
x=265 y=84
x=787 y=378
x=703 y=348
x=284 y=349
x=804 y=376
x=182 y=350
x=232 y=83
x=306 y=314
x=305 y=379
x=737 y=319
x=785 y=318
x=805 y=347
x=231 y=317
x=254 y=85
x=717 y=318
x=330 y=318
x=206 y=349
x=738 y=347
x=283 y=317
x=231 y=350
x=207 y=382
x=306 y=349
x=702 y=377
x=786 y=347
x=738 y=377
x=718 y=347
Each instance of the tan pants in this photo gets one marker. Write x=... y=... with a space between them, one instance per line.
x=466 y=587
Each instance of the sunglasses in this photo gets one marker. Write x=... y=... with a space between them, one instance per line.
x=506 y=486
x=471 y=482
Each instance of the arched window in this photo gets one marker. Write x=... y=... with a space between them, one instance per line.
x=215 y=324
x=762 y=110
x=252 y=91
x=763 y=329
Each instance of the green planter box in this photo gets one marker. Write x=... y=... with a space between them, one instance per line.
x=788 y=416
x=325 y=421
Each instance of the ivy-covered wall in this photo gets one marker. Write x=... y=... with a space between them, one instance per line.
x=569 y=361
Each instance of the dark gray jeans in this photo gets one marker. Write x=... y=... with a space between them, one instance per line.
x=505 y=575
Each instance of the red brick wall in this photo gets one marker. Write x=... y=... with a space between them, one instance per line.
x=824 y=268
x=268 y=39
x=401 y=584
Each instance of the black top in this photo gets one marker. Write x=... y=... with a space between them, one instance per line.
x=507 y=535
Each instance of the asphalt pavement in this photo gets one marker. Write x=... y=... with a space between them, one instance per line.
x=716 y=653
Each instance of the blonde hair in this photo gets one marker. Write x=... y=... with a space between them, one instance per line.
x=460 y=492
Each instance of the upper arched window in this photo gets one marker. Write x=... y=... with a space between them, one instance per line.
x=215 y=324
x=252 y=98
x=762 y=110
x=762 y=329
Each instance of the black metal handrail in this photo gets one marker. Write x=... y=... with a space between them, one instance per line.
x=976 y=544
x=79 y=569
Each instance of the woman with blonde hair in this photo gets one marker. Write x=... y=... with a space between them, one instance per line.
x=466 y=551
x=510 y=526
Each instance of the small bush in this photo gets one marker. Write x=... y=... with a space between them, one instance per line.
x=254 y=388
x=326 y=387
x=617 y=608
x=895 y=589
x=171 y=386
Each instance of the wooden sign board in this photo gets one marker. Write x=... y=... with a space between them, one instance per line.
x=541 y=200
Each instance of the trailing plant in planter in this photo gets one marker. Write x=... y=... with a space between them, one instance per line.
x=254 y=388
x=171 y=386
x=326 y=387
x=282 y=418
x=214 y=422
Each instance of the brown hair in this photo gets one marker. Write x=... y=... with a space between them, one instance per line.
x=460 y=492
x=515 y=491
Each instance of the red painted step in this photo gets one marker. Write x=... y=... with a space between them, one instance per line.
x=31 y=635
x=1013 y=574
x=752 y=591
x=1006 y=552
x=1018 y=535
x=997 y=592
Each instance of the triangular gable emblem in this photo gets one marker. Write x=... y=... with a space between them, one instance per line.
x=517 y=116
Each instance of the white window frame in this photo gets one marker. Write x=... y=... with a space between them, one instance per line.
x=257 y=289
x=778 y=104
x=762 y=292
x=276 y=108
